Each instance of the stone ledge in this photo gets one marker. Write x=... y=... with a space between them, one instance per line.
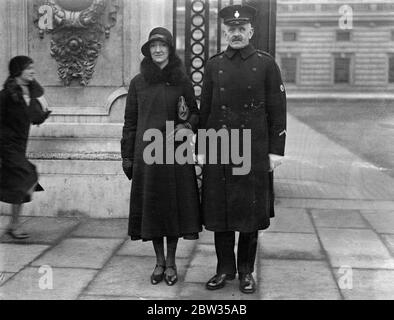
x=98 y=156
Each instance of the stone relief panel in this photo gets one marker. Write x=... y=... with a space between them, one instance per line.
x=78 y=30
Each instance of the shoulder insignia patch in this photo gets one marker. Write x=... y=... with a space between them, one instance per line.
x=261 y=53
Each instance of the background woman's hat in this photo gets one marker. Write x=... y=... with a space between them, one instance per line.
x=237 y=14
x=18 y=64
x=161 y=34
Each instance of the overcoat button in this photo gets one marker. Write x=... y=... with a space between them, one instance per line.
x=254 y=69
x=245 y=105
x=224 y=126
x=242 y=126
x=223 y=107
x=249 y=87
x=221 y=89
x=220 y=71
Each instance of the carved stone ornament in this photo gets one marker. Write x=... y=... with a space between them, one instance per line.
x=78 y=28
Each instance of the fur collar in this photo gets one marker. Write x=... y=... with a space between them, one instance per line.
x=15 y=91
x=172 y=73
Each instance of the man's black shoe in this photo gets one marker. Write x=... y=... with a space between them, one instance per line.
x=218 y=281
x=247 y=283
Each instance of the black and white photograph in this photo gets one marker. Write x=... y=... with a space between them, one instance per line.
x=210 y=151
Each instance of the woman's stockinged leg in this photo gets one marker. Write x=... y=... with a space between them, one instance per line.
x=158 y=245
x=14 y=223
x=158 y=273
x=171 y=276
x=16 y=210
x=172 y=243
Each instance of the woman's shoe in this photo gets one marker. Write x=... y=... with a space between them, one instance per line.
x=17 y=234
x=157 y=278
x=171 y=279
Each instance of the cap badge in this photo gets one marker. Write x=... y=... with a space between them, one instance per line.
x=236 y=14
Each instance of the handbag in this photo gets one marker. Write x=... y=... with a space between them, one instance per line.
x=183 y=109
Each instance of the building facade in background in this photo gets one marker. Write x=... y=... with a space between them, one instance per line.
x=87 y=51
x=340 y=45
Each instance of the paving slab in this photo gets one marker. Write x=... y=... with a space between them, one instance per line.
x=389 y=241
x=130 y=276
x=145 y=248
x=341 y=204
x=45 y=230
x=338 y=218
x=103 y=297
x=137 y=248
x=296 y=280
x=381 y=221
x=80 y=253
x=5 y=220
x=320 y=168
x=185 y=248
x=4 y=276
x=368 y=284
x=102 y=228
x=291 y=220
x=67 y=284
x=206 y=237
x=197 y=291
x=14 y=257
x=301 y=246
x=357 y=248
x=203 y=264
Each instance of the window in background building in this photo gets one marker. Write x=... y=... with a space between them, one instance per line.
x=289 y=69
x=391 y=69
x=289 y=36
x=392 y=35
x=342 y=70
x=343 y=35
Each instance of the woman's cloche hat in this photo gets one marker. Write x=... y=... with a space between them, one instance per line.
x=161 y=34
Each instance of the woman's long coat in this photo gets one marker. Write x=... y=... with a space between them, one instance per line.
x=242 y=90
x=164 y=197
x=17 y=174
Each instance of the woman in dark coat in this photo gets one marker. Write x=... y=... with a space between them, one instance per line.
x=164 y=198
x=20 y=105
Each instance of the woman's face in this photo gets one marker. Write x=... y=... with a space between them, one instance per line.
x=28 y=73
x=160 y=53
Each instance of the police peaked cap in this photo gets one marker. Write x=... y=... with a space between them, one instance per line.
x=237 y=14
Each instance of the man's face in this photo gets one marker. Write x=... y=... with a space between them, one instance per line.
x=238 y=36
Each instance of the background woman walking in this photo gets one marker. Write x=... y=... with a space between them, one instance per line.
x=21 y=104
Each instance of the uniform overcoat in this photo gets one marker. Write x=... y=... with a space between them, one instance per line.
x=164 y=197
x=17 y=174
x=242 y=89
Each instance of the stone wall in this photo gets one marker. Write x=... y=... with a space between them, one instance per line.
x=77 y=151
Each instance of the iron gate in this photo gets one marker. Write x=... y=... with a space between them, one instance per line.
x=198 y=31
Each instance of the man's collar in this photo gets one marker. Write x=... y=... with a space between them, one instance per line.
x=245 y=52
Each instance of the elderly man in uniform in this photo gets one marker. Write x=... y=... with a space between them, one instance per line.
x=242 y=89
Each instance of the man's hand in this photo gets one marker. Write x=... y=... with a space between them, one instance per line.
x=275 y=160
x=127 y=166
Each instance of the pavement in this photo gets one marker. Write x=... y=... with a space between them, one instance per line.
x=332 y=238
